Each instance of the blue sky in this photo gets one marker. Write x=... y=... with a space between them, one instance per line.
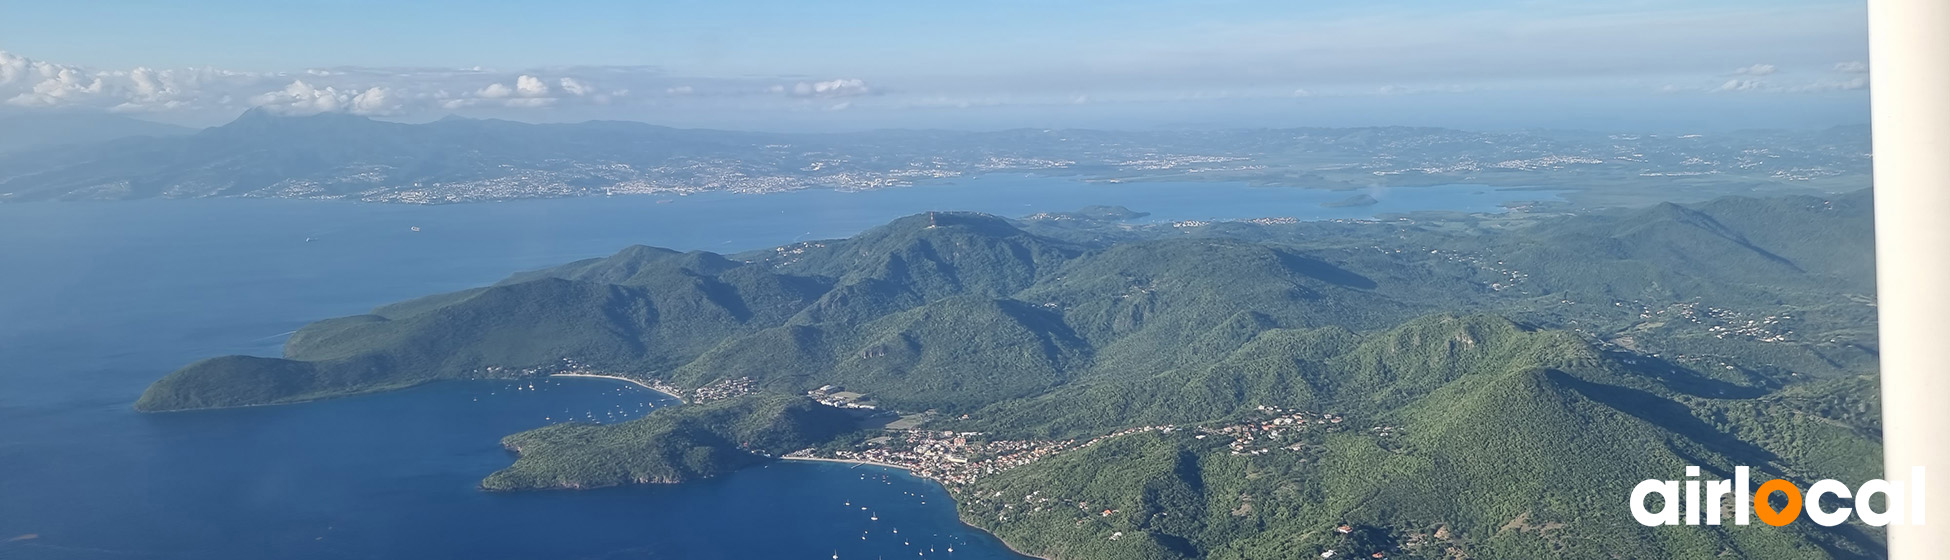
x=828 y=65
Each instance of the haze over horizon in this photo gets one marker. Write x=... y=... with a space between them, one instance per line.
x=1653 y=65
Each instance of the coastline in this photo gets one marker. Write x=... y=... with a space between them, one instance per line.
x=308 y=399
x=851 y=461
x=621 y=378
x=944 y=487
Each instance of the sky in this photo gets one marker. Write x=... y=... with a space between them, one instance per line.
x=841 y=65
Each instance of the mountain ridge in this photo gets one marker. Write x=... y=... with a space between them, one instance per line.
x=1465 y=388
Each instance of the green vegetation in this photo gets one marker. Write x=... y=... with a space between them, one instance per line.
x=1466 y=437
x=669 y=445
x=1498 y=383
x=1362 y=199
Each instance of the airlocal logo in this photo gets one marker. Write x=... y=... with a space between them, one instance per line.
x=1749 y=503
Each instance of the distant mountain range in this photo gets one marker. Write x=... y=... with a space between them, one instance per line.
x=1497 y=385
x=337 y=156
x=29 y=130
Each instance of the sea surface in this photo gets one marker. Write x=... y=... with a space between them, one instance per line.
x=99 y=299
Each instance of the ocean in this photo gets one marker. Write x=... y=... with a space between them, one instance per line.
x=98 y=299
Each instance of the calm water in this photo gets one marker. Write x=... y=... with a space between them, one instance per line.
x=99 y=299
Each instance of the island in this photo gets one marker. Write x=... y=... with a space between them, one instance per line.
x=1356 y=201
x=1426 y=386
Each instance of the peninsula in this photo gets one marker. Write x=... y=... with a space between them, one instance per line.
x=1085 y=387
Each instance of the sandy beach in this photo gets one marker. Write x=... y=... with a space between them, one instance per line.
x=852 y=461
x=620 y=378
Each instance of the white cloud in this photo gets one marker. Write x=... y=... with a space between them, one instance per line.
x=376 y=100
x=844 y=87
x=530 y=86
x=1738 y=85
x=161 y=90
x=1852 y=84
x=66 y=84
x=149 y=85
x=32 y=83
x=302 y=98
x=12 y=67
x=1756 y=70
x=1852 y=67
x=1741 y=85
x=218 y=94
x=495 y=90
x=531 y=91
x=687 y=90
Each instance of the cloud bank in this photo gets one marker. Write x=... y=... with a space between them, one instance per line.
x=1768 y=78
x=1301 y=63
x=27 y=83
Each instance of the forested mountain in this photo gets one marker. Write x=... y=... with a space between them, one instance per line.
x=1454 y=437
x=1496 y=384
x=687 y=443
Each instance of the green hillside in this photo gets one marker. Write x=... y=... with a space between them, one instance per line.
x=669 y=445
x=894 y=308
x=1448 y=386
x=1464 y=437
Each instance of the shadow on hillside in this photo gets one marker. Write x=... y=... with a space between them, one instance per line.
x=1685 y=380
x=1325 y=271
x=1666 y=414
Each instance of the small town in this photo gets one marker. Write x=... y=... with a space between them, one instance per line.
x=722 y=389
x=960 y=458
x=836 y=396
x=1261 y=436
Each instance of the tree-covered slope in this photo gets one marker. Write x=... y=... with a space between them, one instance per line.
x=495 y=332
x=1480 y=453
x=926 y=308
x=668 y=445
x=1731 y=247
x=642 y=309
x=1328 y=368
x=1134 y=298
x=1461 y=387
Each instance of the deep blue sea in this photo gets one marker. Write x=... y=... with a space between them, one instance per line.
x=99 y=299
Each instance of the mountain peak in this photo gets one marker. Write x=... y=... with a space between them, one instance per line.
x=267 y=115
x=260 y=121
x=969 y=222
